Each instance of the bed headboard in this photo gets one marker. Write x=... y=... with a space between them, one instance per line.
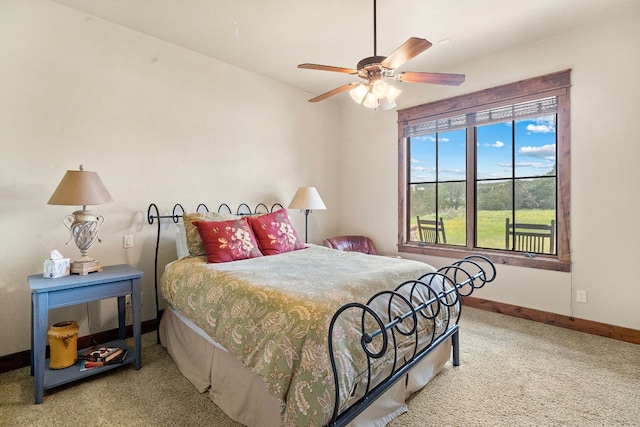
x=154 y=216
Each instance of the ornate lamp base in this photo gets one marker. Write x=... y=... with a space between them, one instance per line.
x=85 y=267
x=84 y=226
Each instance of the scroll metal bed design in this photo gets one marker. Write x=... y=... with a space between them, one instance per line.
x=154 y=216
x=393 y=314
x=457 y=280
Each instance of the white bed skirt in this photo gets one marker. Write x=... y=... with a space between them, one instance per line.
x=243 y=395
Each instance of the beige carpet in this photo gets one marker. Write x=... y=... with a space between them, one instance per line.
x=513 y=373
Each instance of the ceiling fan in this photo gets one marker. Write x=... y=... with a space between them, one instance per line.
x=375 y=70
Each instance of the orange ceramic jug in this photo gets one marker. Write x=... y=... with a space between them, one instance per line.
x=63 y=344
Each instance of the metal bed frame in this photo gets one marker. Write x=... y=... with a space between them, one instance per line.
x=390 y=324
x=153 y=215
x=444 y=289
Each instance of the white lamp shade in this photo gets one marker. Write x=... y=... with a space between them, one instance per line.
x=80 y=188
x=386 y=105
x=393 y=93
x=370 y=101
x=307 y=198
x=358 y=93
x=380 y=88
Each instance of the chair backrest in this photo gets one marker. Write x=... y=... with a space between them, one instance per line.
x=531 y=237
x=431 y=231
x=351 y=244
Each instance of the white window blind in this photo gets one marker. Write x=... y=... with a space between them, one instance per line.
x=528 y=109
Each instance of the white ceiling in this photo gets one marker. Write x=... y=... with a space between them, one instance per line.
x=271 y=37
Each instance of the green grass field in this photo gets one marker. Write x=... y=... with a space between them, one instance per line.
x=491 y=225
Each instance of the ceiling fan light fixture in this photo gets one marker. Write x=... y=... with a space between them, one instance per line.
x=393 y=93
x=376 y=92
x=359 y=93
x=370 y=101
x=380 y=88
x=385 y=104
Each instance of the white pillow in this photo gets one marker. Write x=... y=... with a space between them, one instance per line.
x=182 y=249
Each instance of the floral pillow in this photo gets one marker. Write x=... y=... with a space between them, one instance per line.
x=274 y=233
x=228 y=240
x=194 y=242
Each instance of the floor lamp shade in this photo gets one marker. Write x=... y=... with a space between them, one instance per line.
x=307 y=199
x=82 y=188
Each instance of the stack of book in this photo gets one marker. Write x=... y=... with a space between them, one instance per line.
x=98 y=356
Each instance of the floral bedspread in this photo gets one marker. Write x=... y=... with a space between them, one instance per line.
x=273 y=314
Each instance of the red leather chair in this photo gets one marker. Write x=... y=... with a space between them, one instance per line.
x=352 y=244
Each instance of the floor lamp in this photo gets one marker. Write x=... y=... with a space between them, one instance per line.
x=306 y=199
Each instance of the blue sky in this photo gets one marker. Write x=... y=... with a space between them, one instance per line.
x=535 y=146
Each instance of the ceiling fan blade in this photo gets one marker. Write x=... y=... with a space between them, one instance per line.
x=433 y=78
x=333 y=92
x=328 y=68
x=410 y=49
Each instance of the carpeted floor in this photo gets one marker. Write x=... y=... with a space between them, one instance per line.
x=513 y=372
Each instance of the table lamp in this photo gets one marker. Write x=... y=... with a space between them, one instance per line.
x=82 y=188
x=306 y=199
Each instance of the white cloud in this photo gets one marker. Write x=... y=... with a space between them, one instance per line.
x=415 y=160
x=539 y=128
x=497 y=144
x=459 y=172
x=535 y=165
x=543 y=125
x=491 y=175
x=545 y=152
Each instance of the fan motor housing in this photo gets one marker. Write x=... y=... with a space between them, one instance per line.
x=372 y=62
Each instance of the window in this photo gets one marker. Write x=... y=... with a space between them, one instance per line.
x=489 y=173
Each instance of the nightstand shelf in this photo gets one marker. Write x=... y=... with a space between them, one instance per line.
x=57 y=377
x=116 y=281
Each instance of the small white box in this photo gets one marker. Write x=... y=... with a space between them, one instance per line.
x=54 y=268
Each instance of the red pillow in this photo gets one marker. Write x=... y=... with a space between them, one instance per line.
x=228 y=240
x=274 y=233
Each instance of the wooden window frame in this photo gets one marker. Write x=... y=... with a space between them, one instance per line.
x=555 y=84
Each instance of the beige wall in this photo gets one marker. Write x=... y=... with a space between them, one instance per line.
x=163 y=124
x=159 y=124
x=605 y=128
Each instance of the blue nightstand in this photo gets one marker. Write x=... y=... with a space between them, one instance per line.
x=114 y=281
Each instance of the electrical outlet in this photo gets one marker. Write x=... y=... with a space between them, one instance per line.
x=127 y=241
x=128 y=308
x=581 y=296
x=127 y=300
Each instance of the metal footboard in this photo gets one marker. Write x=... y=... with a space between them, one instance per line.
x=400 y=328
